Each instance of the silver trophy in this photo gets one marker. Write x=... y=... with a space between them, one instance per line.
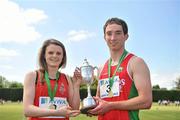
x=87 y=73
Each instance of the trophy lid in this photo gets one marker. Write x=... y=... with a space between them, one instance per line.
x=85 y=63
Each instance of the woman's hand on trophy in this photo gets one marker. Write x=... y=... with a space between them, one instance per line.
x=101 y=108
x=67 y=111
x=77 y=78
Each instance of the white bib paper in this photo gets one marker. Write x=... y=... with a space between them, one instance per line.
x=105 y=87
x=44 y=102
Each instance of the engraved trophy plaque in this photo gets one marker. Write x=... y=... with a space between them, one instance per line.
x=87 y=73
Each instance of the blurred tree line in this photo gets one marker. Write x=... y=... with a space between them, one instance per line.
x=176 y=85
x=4 y=83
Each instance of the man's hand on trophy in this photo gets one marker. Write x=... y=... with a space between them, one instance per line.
x=77 y=78
x=90 y=115
x=101 y=108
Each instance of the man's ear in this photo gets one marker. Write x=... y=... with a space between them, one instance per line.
x=126 y=36
x=104 y=37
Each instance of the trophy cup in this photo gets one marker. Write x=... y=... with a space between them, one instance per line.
x=87 y=73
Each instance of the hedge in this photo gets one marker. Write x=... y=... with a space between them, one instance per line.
x=83 y=93
x=12 y=94
x=16 y=94
x=171 y=95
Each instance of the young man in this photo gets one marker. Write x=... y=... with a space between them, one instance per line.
x=124 y=84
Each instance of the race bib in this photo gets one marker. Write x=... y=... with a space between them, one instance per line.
x=57 y=103
x=105 y=87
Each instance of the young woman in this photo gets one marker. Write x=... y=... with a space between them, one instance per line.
x=48 y=93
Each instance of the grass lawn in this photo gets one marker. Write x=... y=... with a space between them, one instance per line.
x=13 y=111
x=157 y=112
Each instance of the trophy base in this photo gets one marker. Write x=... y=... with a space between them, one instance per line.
x=85 y=109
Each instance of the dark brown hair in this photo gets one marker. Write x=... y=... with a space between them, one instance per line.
x=116 y=21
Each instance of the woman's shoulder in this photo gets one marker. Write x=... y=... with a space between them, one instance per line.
x=31 y=73
x=30 y=76
x=68 y=78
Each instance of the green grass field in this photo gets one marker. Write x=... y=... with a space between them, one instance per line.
x=13 y=111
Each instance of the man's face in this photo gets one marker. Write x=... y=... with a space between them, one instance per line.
x=115 y=37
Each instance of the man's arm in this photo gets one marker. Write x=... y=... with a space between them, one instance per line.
x=141 y=76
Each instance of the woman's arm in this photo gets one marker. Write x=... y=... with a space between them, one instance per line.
x=28 y=98
x=30 y=110
x=74 y=97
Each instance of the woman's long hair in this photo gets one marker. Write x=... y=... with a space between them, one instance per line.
x=42 y=61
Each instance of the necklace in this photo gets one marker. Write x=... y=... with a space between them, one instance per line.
x=111 y=79
x=51 y=92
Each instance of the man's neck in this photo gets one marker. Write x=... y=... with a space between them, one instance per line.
x=115 y=55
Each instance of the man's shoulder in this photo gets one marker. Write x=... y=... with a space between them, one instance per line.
x=137 y=62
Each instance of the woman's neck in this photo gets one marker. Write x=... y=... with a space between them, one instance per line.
x=52 y=72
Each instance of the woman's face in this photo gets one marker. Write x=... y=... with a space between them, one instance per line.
x=53 y=56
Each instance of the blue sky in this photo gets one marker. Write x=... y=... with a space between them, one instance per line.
x=154 y=29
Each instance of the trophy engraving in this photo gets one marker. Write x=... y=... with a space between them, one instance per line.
x=87 y=73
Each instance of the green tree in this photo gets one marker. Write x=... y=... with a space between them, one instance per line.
x=1 y=81
x=177 y=83
x=156 y=87
x=15 y=84
x=4 y=83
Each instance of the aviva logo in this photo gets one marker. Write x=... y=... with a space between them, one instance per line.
x=57 y=100
x=44 y=100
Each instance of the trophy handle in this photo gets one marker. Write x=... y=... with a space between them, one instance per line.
x=95 y=76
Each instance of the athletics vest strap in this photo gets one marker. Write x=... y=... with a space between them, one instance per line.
x=36 y=77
